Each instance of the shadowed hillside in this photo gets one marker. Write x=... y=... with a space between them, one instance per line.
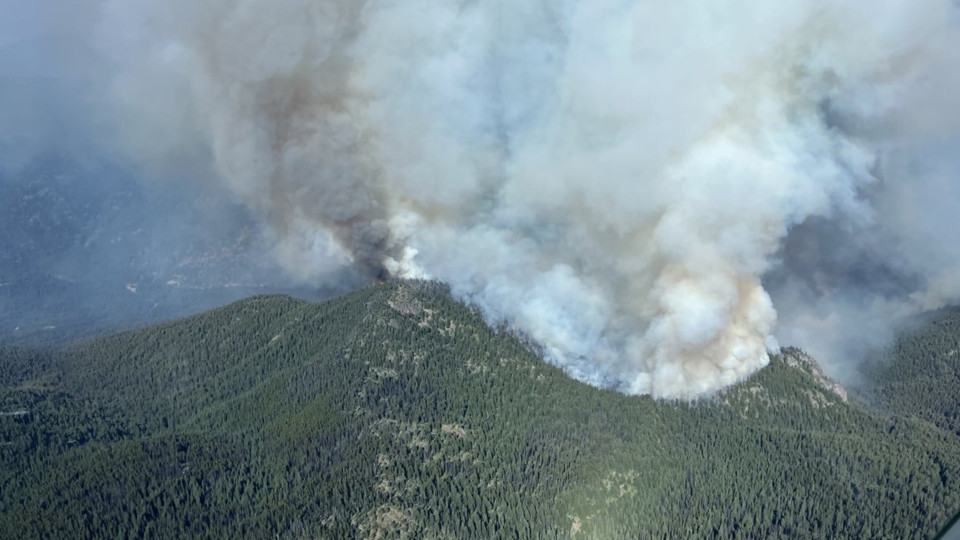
x=920 y=374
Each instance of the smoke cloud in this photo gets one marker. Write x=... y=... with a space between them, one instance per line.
x=639 y=186
x=91 y=240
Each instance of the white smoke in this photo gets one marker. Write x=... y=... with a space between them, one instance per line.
x=617 y=179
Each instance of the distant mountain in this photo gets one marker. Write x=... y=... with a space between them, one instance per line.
x=86 y=248
x=395 y=412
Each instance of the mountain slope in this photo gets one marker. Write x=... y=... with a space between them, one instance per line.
x=920 y=374
x=395 y=411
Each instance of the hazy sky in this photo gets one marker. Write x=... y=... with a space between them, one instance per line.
x=21 y=19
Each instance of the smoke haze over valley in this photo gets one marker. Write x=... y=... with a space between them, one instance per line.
x=656 y=193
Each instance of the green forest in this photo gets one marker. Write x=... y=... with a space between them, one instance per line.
x=396 y=412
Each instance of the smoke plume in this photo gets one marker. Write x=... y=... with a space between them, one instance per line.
x=637 y=185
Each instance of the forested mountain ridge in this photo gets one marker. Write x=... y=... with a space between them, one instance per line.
x=920 y=374
x=394 y=411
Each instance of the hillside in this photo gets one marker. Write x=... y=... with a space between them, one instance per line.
x=920 y=374
x=394 y=411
